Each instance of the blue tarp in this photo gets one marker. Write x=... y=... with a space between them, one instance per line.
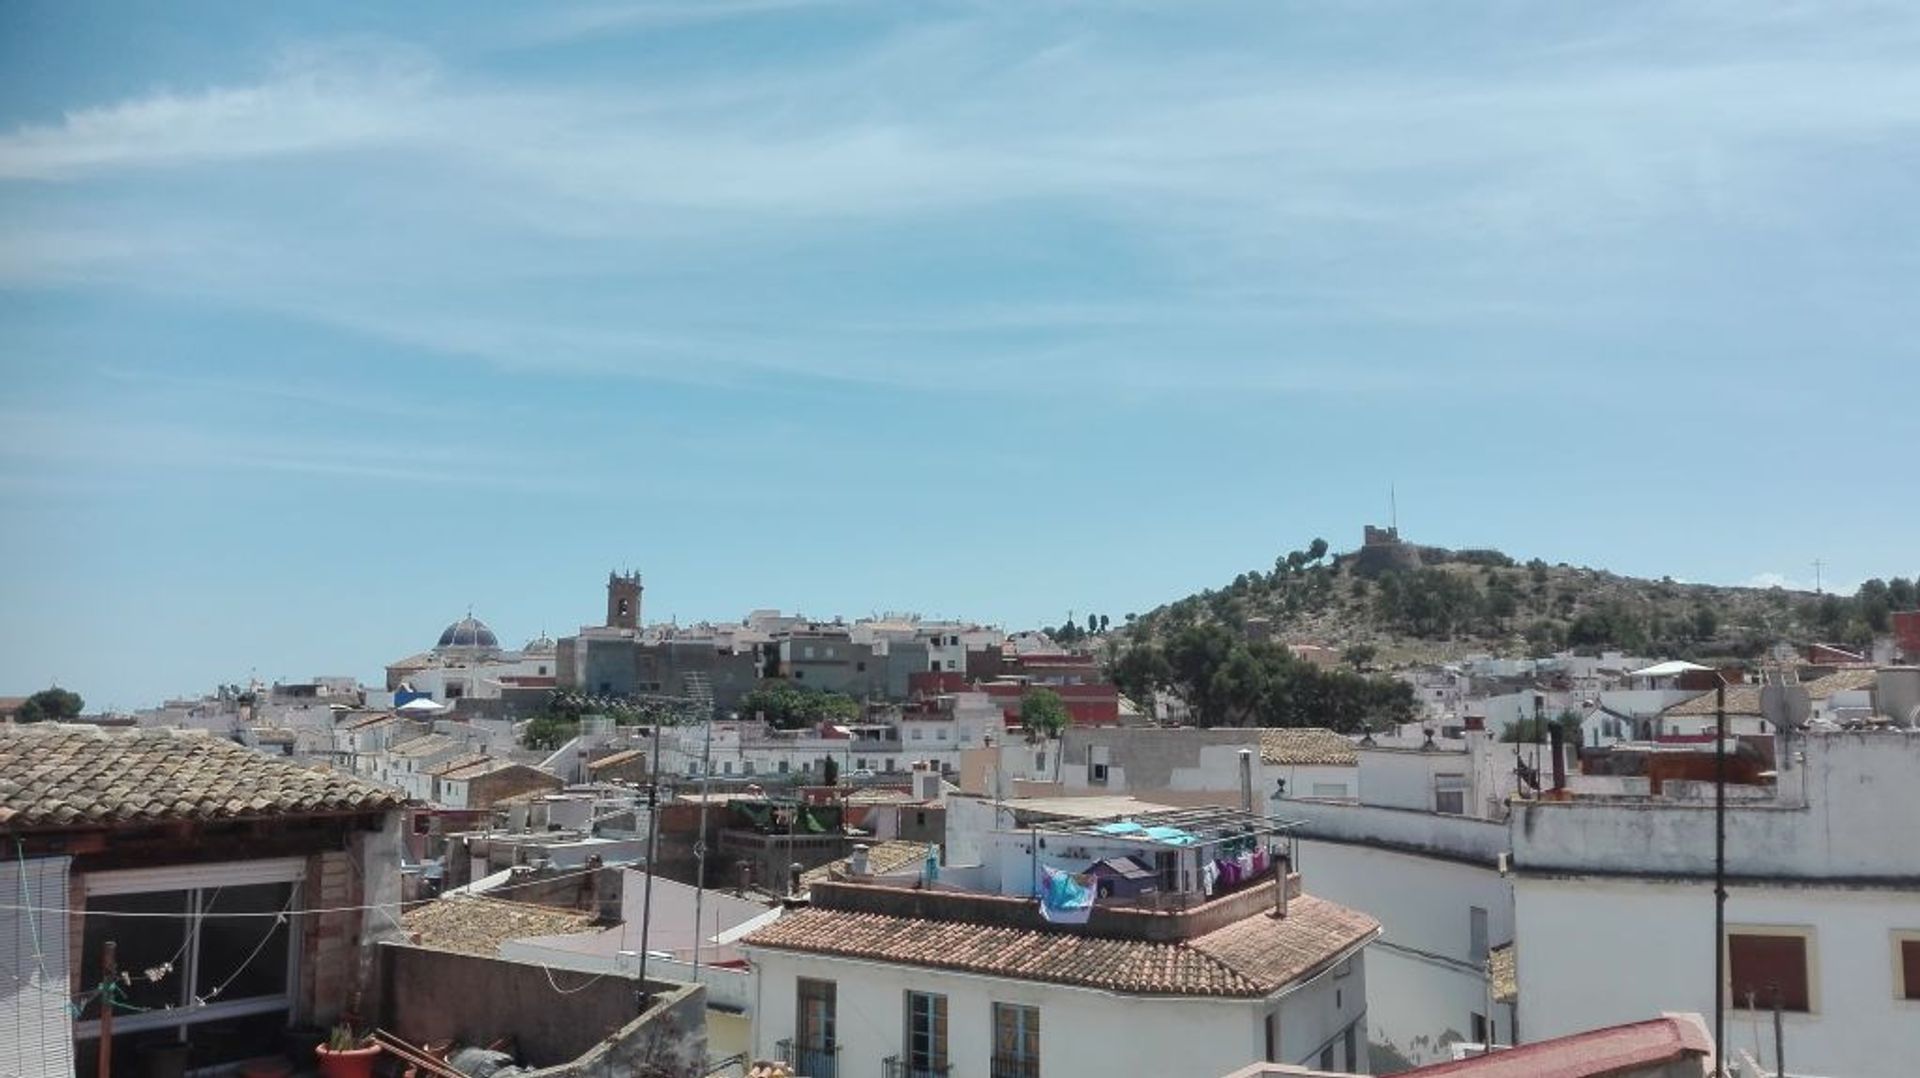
x=1124 y=827
x=1171 y=835
x=1064 y=897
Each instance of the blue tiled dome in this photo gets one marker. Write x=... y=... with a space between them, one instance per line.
x=468 y=632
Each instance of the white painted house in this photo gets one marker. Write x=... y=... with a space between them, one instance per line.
x=957 y=973
x=1614 y=910
x=1434 y=883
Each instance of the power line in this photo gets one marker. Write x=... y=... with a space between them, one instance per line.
x=305 y=912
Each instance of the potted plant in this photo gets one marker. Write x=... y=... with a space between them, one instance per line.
x=346 y=1054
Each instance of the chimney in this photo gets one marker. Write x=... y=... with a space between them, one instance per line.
x=608 y=894
x=793 y=878
x=1282 y=882
x=857 y=861
x=1246 y=780
x=1555 y=738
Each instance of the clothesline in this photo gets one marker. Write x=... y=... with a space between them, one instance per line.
x=382 y=906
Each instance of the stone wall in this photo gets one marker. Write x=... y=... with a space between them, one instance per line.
x=567 y=1023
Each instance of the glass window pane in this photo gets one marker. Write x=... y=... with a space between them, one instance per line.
x=140 y=944
x=243 y=956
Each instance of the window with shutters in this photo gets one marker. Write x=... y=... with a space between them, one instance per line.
x=1769 y=965
x=1906 y=964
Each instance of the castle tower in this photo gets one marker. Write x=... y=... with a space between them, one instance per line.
x=623 y=600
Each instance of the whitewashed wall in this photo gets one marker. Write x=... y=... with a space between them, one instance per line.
x=1082 y=1031
x=1599 y=952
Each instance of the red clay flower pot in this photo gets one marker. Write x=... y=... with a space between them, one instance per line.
x=346 y=1062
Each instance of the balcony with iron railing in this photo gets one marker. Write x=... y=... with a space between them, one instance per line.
x=1015 y=1066
x=895 y=1067
x=809 y=1060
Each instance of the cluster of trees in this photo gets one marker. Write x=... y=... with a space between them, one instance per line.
x=787 y=706
x=1230 y=681
x=1868 y=612
x=1302 y=581
x=549 y=731
x=1070 y=632
x=50 y=705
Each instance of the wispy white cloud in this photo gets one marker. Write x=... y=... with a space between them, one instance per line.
x=1263 y=195
x=114 y=448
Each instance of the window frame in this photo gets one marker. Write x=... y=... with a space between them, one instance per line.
x=937 y=1056
x=827 y=994
x=1903 y=991
x=1810 y=964
x=1025 y=1031
x=198 y=881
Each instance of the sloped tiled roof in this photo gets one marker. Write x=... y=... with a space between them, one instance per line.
x=1675 y=1040
x=58 y=775
x=1745 y=699
x=617 y=759
x=1308 y=745
x=476 y=925
x=1253 y=957
x=424 y=745
x=1841 y=681
x=882 y=858
x=457 y=763
x=1741 y=700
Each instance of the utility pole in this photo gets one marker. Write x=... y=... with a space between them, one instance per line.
x=702 y=698
x=109 y=976
x=653 y=836
x=1720 y=872
x=1817 y=566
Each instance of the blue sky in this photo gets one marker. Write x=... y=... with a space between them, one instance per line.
x=323 y=322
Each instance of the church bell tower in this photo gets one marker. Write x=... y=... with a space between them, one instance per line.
x=623 y=600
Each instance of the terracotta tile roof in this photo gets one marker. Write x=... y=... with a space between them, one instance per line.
x=617 y=759
x=1308 y=745
x=1841 y=681
x=424 y=745
x=882 y=858
x=1635 y=1048
x=458 y=763
x=1741 y=700
x=58 y=775
x=1745 y=699
x=474 y=767
x=1252 y=957
x=475 y=925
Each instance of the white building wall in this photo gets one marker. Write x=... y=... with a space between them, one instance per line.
x=1082 y=1031
x=1423 y=981
x=1598 y=952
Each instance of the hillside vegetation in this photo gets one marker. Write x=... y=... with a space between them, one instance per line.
x=1397 y=603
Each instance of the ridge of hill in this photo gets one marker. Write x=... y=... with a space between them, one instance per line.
x=1393 y=602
